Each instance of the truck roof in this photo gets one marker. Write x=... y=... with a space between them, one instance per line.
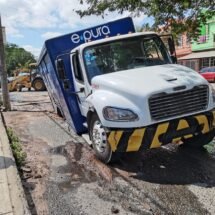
x=109 y=39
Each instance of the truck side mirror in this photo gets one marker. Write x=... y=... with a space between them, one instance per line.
x=171 y=46
x=172 y=50
x=174 y=59
x=60 y=69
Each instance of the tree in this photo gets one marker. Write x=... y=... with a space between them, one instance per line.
x=178 y=15
x=17 y=57
x=146 y=27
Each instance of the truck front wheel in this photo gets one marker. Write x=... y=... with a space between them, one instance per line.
x=100 y=141
x=38 y=85
x=19 y=88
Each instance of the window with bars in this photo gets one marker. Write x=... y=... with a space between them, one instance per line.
x=179 y=41
x=208 y=62
x=203 y=39
x=205 y=62
x=188 y=40
x=191 y=64
x=213 y=61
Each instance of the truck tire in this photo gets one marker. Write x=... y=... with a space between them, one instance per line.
x=199 y=142
x=99 y=141
x=38 y=85
x=19 y=88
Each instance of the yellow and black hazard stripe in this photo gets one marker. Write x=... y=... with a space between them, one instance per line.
x=166 y=132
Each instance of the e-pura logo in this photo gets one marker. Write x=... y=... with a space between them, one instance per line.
x=92 y=34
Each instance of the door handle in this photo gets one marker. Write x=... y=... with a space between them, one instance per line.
x=80 y=91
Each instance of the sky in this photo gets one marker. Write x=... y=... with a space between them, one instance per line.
x=30 y=22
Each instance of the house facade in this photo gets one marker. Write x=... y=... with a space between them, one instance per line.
x=203 y=50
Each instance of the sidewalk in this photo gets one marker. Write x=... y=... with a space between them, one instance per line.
x=12 y=197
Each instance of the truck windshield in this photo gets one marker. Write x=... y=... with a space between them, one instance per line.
x=125 y=54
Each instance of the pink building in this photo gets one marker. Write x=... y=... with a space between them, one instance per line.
x=183 y=45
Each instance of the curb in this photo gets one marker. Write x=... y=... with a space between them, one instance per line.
x=16 y=193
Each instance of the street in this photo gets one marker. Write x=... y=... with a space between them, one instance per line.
x=62 y=175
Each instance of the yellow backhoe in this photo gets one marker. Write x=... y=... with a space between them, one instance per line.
x=26 y=78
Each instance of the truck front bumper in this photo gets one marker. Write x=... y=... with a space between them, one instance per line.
x=153 y=136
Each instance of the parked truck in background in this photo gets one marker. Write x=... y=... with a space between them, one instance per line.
x=125 y=90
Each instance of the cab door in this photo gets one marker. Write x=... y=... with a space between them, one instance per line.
x=79 y=83
x=70 y=88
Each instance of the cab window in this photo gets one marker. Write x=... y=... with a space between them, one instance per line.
x=77 y=68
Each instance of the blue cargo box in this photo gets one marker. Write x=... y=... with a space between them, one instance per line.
x=67 y=102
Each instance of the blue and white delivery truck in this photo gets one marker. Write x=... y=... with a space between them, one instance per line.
x=125 y=90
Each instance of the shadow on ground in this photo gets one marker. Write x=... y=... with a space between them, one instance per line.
x=174 y=165
x=6 y=162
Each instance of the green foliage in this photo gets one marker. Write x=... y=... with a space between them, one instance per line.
x=210 y=147
x=17 y=57
x=16 y=147
x=178 y=15
x=146 y=27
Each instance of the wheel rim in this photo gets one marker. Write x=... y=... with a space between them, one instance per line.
x=38 y=85
x=99 y=137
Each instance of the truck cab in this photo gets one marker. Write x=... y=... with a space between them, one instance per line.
x=129 y=95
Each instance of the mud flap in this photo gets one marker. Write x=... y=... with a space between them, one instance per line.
x=163 y=133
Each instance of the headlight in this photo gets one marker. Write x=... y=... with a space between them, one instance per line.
x=117 y=114
x=213 y=93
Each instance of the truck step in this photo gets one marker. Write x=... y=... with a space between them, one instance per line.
x=85 y=125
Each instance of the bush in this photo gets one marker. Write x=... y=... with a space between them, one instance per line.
x=210 y=147
x=16 y=147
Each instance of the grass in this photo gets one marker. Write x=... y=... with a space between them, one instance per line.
x=16 y=147
x=210 y=147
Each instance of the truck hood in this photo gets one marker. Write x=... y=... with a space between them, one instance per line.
x=149 y=80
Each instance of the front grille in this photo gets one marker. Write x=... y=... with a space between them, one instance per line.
x=163 y=105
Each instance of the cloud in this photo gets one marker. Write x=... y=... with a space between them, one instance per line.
x=32 y=14
x=50 y=34
x=35 y=51
x=13 y=32
x=11 y=29
x=49 y=15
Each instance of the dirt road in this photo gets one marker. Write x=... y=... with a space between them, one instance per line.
x=62 y=176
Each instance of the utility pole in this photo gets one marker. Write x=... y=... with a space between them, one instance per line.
x=3 y=73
